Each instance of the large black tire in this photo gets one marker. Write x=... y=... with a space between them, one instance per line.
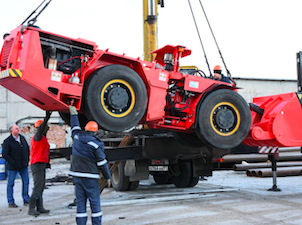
x=161 y=178
x=115 y=97
x=133 y=185
x=182 y=177
x=193 y=180
x=119 y=181
x=224 y=119
x=66 y=117
x=188 y=139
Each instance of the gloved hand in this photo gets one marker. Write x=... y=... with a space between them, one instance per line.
x=108 y=183
x=48 y=113
x=73 y=110
x=48 y=166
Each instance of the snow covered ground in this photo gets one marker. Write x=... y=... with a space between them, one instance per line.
x=226 y=198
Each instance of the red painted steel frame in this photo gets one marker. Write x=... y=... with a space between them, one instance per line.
x=22 y=52
x=281 y=123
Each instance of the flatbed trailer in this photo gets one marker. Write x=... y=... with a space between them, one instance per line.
x=154 y=152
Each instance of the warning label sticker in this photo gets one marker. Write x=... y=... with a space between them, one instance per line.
x=55 y=76
x=162 y=76
x=193 y=84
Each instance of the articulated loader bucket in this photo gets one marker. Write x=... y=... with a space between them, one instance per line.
x=276 y=121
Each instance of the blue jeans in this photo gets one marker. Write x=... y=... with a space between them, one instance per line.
x=88 y=188
x=11 y=175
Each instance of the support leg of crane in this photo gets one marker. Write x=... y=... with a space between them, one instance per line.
x=273 y=159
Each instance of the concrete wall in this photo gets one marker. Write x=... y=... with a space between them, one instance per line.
x=14 y=108
x=263 y=87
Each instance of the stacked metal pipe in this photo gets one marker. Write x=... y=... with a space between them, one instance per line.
x=281 y=172
x=289 y=163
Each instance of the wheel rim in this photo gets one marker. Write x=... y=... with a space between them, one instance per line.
x=115 y=176
x=225 y=119
x=117 y=98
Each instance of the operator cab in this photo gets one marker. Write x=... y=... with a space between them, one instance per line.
x=168 y=56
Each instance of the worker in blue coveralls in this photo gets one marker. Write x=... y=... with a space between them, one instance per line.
x=88 y=158
x=219 y=76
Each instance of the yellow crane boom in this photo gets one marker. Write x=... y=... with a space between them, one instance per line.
x=150 y=27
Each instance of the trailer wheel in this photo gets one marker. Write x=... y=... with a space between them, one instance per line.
x=115 y=97
x=119 y=181
x=66 y=118
x=193 y=180
x=224 y=119
x=182 y=173
x=188 y=139
x=161 y=178
x=133 y=185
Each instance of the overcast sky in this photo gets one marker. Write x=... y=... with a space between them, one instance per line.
x=258 y=39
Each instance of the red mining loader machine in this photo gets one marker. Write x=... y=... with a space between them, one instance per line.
x=119 y=92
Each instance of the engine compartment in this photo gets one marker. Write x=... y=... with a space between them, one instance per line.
x=62 y=54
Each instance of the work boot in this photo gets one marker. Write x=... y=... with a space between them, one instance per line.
x=13 y=205
x=32 y=208
x=40 y=207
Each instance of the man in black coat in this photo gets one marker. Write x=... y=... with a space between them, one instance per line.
x=15 y=151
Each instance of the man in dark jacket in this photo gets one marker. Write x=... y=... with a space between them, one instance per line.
x=219 y=76
x=88 y=158
x=16 y=152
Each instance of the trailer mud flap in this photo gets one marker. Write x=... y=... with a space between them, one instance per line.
x=137 y=169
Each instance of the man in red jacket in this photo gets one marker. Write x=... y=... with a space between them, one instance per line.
x=39 y=159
